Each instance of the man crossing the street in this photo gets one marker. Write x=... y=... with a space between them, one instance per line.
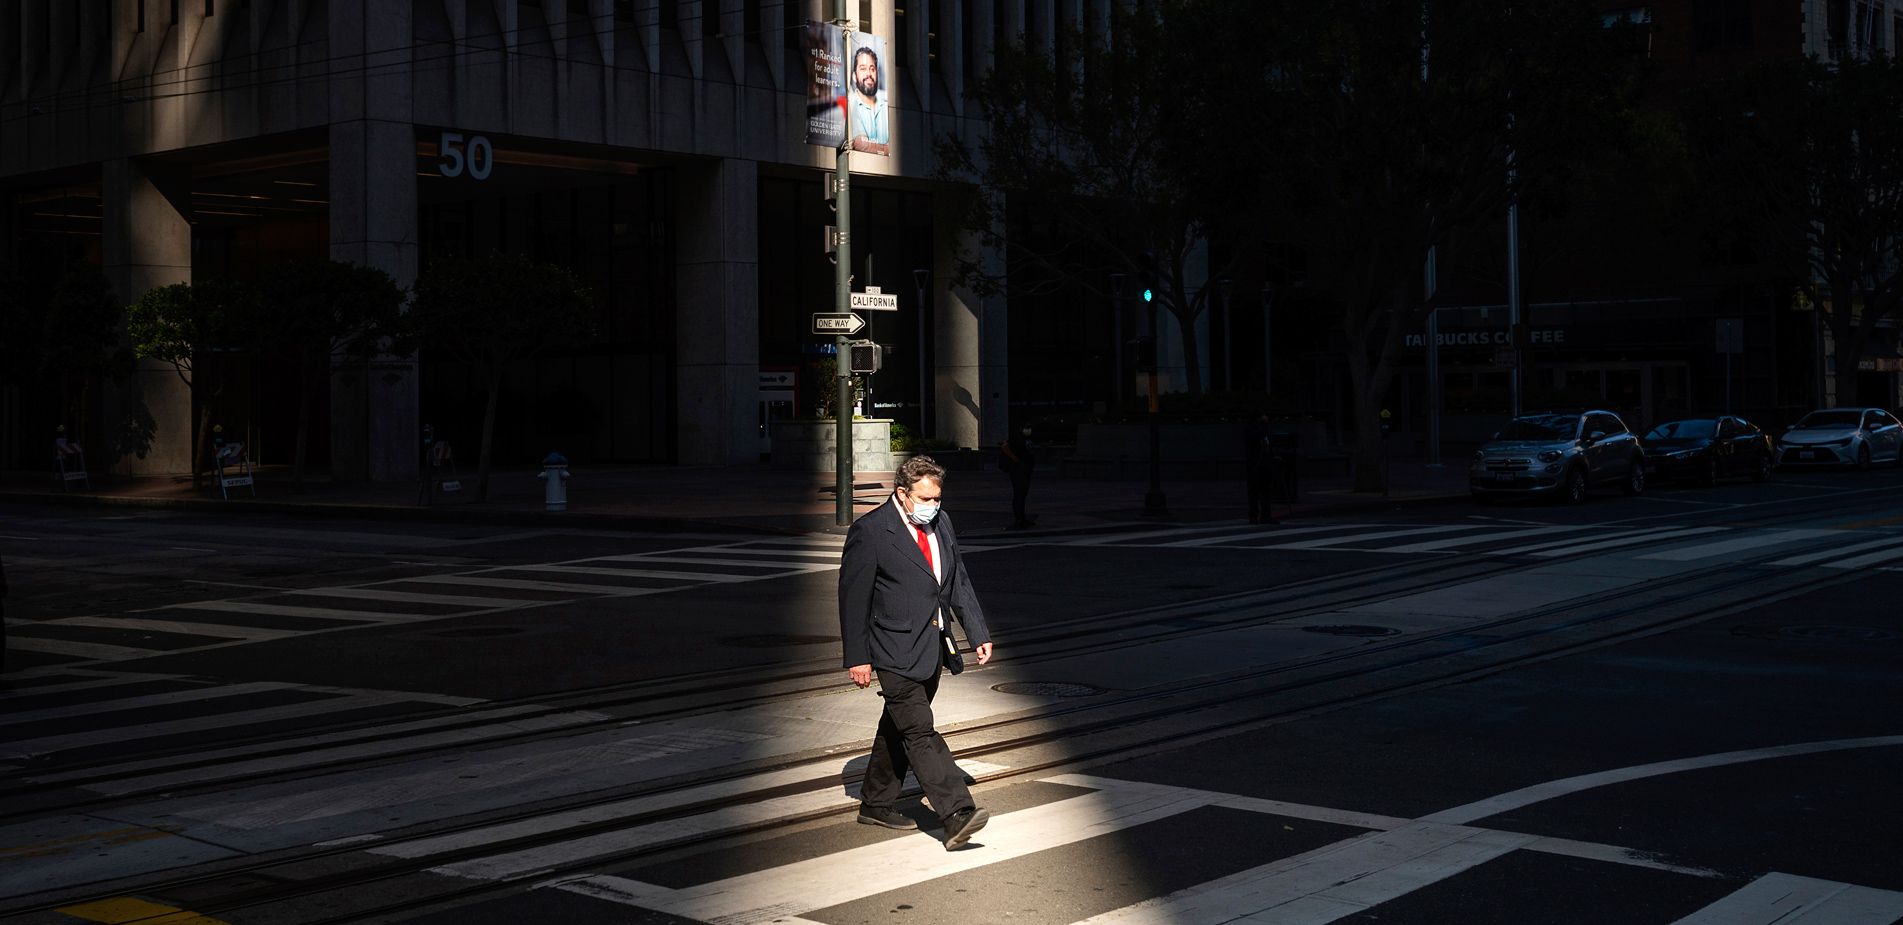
x=901 y=581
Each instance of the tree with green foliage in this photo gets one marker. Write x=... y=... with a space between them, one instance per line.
x=1805 y=161
x=1075 y=178
x=196 y=327
x=321 y=309
x=1374 y=132
x=492 y=312
x=65 y=339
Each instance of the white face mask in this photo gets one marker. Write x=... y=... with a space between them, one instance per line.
x=923 y=513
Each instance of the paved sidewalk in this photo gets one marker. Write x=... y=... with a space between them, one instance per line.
x=740 y=497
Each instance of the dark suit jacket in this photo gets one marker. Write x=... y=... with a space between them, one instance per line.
x=889 y=600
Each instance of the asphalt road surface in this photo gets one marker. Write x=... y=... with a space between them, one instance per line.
x=1684 y=707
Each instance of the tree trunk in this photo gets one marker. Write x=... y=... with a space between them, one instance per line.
x=1370 y=388
x=305 y=389
x=1192 y=362
x=201 y=451
x=1848 y=350
x=488 y=435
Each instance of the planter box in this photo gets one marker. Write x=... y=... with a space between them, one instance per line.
x=810 y=446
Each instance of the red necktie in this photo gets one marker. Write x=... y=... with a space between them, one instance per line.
x=925 y=546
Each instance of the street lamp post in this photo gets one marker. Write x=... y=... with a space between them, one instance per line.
x=924 y=280
x=1155 y=504
x=1228 y=350
x=1116 y=336
x=1268 y=341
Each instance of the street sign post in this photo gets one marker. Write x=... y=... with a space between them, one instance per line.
x=874 y=300
x=846 y=323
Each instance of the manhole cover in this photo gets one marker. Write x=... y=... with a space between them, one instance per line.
x=1047 y=689
x=478 y=632
x=1352 y=629
x=776 y=640
x=1839 y=633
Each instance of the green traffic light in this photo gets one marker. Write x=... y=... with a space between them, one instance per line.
x=1146 y=295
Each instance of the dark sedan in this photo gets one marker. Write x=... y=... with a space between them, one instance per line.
x=1705 y=450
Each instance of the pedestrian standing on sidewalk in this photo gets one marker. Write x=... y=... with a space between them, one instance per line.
x=1255 y=467
x=901 y=580
x=1020 y=462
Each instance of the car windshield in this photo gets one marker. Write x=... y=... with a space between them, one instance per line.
x=1683 y=430
x=1542 y=427
x=1830 y=419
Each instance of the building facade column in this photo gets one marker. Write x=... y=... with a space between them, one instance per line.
x=375 y=425
x=717 y=314
x=972 y=381
x=147 y=242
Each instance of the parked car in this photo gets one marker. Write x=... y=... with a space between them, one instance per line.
x=1708 y=449
x=1854 y=437
x=1558 y=454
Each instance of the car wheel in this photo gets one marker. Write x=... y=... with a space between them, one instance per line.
x=1708 y=473
x=1763 y=472
x=1635 y=479
x=1574 y=490
x=1863 y=457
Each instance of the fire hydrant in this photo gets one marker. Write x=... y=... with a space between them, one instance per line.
x=555 y=478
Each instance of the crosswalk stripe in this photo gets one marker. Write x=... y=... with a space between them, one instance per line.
x=1254 y=535
x=628 y=572
x=1708 y=550
x=523 y=584
x=697 y=560
x=1361 y=537
x=70 y=741
x=289 y=610
x=87 y=650
x=1574 y=549
x=1337 y=881
x=1873 y=558
x=220 y=630
x=1809 y=557
x=792 y=889
x=1456 y=542
x=756 y=551
x=400 y=597
x=114 y=680
x=1787 y=899
x=148 y=700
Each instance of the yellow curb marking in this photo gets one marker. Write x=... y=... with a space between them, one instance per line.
x=128 y=909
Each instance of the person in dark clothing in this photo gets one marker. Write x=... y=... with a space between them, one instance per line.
x=1020 y=462
x=1255 y=467
x=900 y=578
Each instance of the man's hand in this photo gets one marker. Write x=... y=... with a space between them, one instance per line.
x=984 y=653
x=862 y=674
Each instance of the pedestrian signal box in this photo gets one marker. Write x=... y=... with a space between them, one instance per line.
x=867 y=357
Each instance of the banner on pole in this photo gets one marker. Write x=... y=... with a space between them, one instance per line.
x=848 y=76
x=825 y=84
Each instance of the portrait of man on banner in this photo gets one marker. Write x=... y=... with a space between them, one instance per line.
x=869 y=120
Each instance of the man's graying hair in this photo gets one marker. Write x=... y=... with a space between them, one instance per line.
x=916 y=468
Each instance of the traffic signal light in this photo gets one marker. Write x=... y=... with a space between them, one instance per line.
x=865 y=357
x=1146 y=277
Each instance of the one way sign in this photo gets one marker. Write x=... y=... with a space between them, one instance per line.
x=837 y=323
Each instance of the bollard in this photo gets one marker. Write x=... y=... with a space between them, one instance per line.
x=555 y=478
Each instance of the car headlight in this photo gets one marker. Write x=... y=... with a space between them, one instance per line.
x=1479 y=456
x=1550 y=456
x=1844 y=442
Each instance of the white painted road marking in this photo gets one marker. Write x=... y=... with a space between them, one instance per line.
x=1623 y=541
x=1786 y=899
x=1723 y=547
x=1809 y=557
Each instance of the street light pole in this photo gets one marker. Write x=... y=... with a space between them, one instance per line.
x=924 y=278
x=1268 y=342
x=1228 y=346
x=1154 y=502
x=1116 y=337
x=842 y=303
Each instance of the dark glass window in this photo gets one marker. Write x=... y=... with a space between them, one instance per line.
x=140 y=5
x=174 y=19
x=709 y=18
x=624 y=11
x=750 y=20
x=902 y=32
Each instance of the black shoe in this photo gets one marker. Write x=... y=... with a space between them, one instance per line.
x=885 y=816
x=961 y=825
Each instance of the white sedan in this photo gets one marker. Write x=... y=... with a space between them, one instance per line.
x=1842 y=436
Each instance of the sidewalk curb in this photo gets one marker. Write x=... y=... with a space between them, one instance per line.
x=402 y=513
x=1379 y=504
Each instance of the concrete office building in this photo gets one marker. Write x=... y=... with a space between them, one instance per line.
x=655 y=146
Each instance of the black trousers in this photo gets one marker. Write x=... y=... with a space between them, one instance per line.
x=1020 y=489
x=1259 y=505
x=907 y=741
